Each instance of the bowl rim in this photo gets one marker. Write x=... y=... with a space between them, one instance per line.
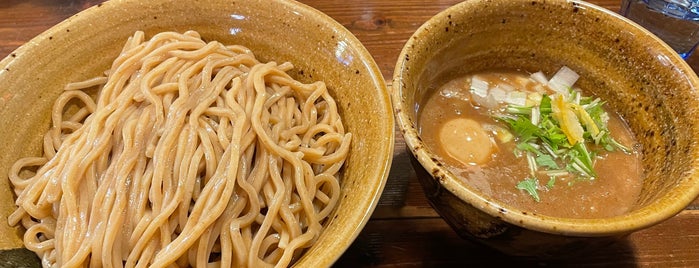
x=662 y=209
x=357 y=220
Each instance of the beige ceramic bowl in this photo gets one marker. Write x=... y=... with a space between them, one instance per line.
x=320 y=48
x=639 y=76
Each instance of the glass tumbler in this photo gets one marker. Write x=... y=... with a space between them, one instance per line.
x=675 y=21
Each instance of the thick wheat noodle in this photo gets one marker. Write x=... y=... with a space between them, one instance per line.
x=192 y=154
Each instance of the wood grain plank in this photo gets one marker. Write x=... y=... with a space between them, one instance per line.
x=382 y=26
x=22 y=20
x=429 y=242
x=404 y=229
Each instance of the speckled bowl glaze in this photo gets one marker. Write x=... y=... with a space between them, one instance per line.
x=319 y=47
x=639 y=76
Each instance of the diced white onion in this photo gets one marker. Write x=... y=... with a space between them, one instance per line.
x=488 y=101
x=479 y=101
x=479 y=87
x=505 y=136
x=523 y=81
x=516 y=98
x=502 y=134
x=491 y=102
x=563 y=80
x=506 y=87
x=540 y=77
x=498 y=94
x=539 y=88
x=534 y=99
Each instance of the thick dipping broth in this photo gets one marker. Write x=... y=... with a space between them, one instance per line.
x=465 y=122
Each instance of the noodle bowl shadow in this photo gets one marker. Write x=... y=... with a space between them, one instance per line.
x=638 y=75
x=83 y=46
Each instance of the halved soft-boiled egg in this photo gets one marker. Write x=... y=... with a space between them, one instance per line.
x=466 y=141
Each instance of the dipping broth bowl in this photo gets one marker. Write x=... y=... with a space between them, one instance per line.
x=321 y=49
x=638 y=75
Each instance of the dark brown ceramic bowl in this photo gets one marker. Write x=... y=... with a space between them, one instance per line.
x=319 y=47
x=639 y=76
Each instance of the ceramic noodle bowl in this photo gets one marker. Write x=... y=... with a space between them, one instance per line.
x=640 y=77
x=84 y=45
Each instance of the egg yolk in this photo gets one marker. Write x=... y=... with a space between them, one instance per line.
x=465 y=140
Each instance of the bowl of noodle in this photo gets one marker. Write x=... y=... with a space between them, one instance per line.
x=180 y=133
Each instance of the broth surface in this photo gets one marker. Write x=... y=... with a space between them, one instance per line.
x=613 y=192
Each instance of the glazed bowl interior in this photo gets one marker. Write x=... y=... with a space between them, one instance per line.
x=639 y=76
x=321 y=49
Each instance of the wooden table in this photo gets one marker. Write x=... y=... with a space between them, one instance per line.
x=404 y=230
